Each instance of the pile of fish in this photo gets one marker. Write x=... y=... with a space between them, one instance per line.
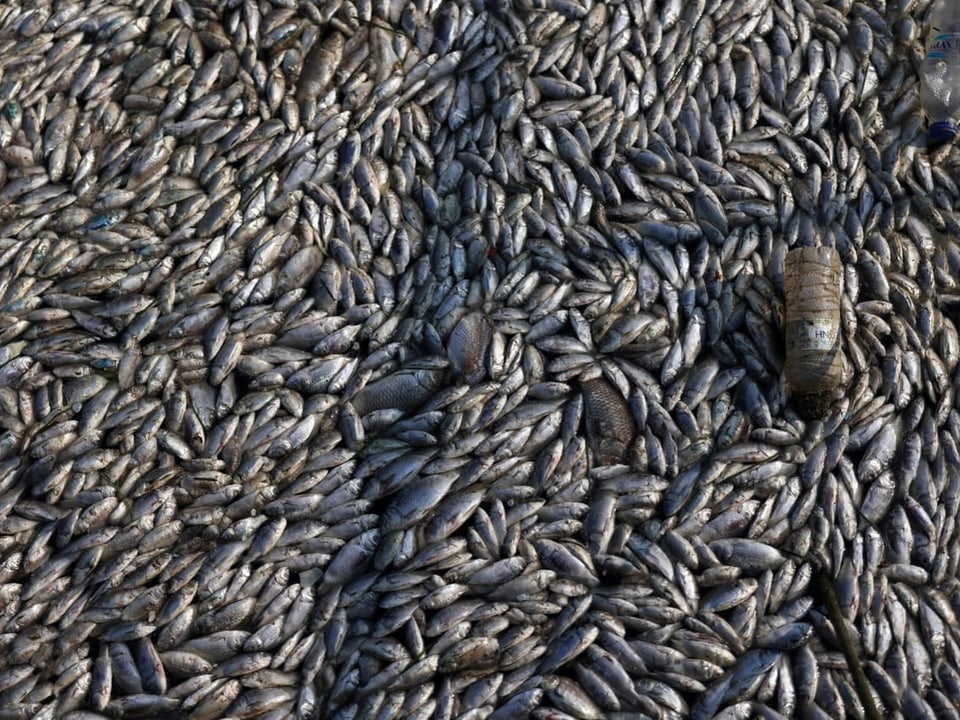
x=380 y=359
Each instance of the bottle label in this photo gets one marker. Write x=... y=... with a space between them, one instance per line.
x=812 y=334
x=943 y=46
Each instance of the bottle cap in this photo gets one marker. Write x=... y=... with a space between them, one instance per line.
x=943 y=131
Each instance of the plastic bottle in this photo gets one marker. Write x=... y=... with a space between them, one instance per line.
x=940 y=74
x=813 y=366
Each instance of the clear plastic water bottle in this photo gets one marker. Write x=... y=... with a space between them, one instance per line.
x=940 y=78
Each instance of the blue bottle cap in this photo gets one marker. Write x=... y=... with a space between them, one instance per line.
x=943 y=131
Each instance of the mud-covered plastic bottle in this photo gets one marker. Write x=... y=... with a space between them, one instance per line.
x=940 y=74
x=813 y=366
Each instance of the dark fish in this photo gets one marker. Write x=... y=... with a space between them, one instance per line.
x=610 y=427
